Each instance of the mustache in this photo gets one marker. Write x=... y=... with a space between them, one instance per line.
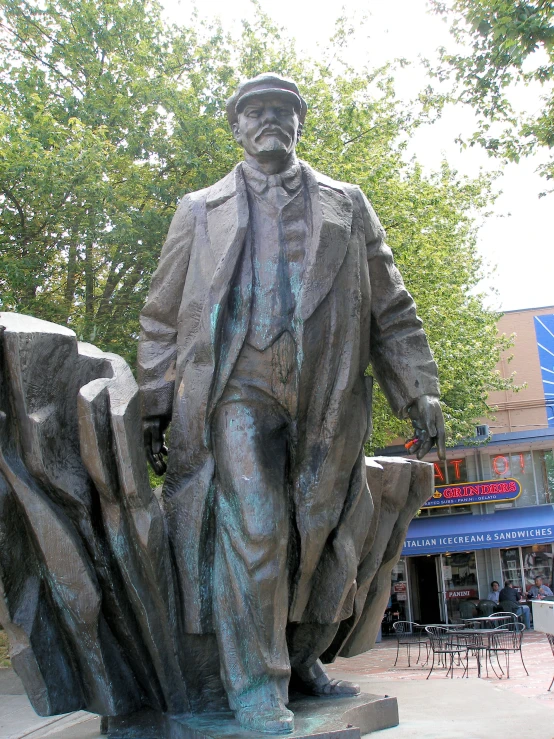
x=270 y=129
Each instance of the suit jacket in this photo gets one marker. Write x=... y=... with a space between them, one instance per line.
x=353 y=309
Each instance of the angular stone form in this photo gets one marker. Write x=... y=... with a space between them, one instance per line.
x=87 y=580
x=88 y=600
x=398 y=487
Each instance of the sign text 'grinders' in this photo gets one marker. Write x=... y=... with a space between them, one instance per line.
x=487 y=491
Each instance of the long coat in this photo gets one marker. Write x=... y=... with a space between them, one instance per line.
x=353 y=309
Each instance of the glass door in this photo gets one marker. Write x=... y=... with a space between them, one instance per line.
x=461 y=588
x=426 y=596
x=399 y=591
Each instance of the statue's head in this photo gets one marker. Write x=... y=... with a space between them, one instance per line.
x=266 y=115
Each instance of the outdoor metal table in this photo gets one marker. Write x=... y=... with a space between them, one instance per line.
x=481 y=620
x=479 y=640
x=445 y=626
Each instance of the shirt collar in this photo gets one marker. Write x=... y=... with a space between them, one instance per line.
x=290 y=179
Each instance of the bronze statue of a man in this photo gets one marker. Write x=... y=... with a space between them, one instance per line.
x=274 y=292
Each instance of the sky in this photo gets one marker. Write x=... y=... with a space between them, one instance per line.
x=517 y=241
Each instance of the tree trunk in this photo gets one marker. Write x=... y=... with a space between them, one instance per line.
x=70 y=281
x=89 y=292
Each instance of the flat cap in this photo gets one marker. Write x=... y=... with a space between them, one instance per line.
x=265 y=84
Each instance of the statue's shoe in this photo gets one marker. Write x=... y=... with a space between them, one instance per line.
x=315 y=681
x=331 y=687
x=269 y=718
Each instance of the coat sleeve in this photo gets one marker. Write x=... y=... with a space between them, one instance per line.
x=400 y=355
x=157 y=349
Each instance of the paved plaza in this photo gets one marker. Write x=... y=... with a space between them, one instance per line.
x=438 y=708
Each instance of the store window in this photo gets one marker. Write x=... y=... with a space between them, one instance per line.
x=546 y=466
x=511 y=567
x=522 y=565
x=450 y=471
x=537 y=562
x=511 y=465
x=460 y=584
x=448 y=510
x=519 y=466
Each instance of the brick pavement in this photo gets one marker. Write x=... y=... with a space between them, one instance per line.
x=473 y=708
x=536 y=654
x=437 y=708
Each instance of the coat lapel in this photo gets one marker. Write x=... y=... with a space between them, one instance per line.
x=332 y=223
x=227 y=216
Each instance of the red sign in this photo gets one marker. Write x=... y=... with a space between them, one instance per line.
x=488 y=491
x=399 y=587
x=503 y=465
x=456 y=468
x=461 y=594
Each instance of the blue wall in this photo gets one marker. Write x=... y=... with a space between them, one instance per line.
x=544 y=330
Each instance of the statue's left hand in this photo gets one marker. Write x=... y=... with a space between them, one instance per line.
x=428 y=422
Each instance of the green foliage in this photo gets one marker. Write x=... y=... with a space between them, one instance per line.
x=108 y=115
x=4 y=652
x=512 y=42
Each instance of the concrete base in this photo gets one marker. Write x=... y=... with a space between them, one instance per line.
x=315 y=718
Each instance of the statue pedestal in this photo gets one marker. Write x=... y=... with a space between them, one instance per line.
x=315 y=718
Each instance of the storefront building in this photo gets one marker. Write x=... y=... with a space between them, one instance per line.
x=492 y=513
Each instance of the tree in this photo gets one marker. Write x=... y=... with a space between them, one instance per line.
x=98 y=141
x=510 y=43
x=108 y=115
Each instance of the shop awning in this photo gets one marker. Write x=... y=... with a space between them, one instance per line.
x=513 y=527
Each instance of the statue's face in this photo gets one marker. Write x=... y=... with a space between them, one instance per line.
x=267 y=127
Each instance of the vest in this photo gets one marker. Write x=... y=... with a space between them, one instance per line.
x=280 y=222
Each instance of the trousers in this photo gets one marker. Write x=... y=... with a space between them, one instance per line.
x=255 y=552
x=525 y=613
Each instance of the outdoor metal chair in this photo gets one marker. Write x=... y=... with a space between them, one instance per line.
x=409 y=634
x=550 y=638
x=508 y=606
x=447 y=643
x=504 y=619
x=506 y=641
